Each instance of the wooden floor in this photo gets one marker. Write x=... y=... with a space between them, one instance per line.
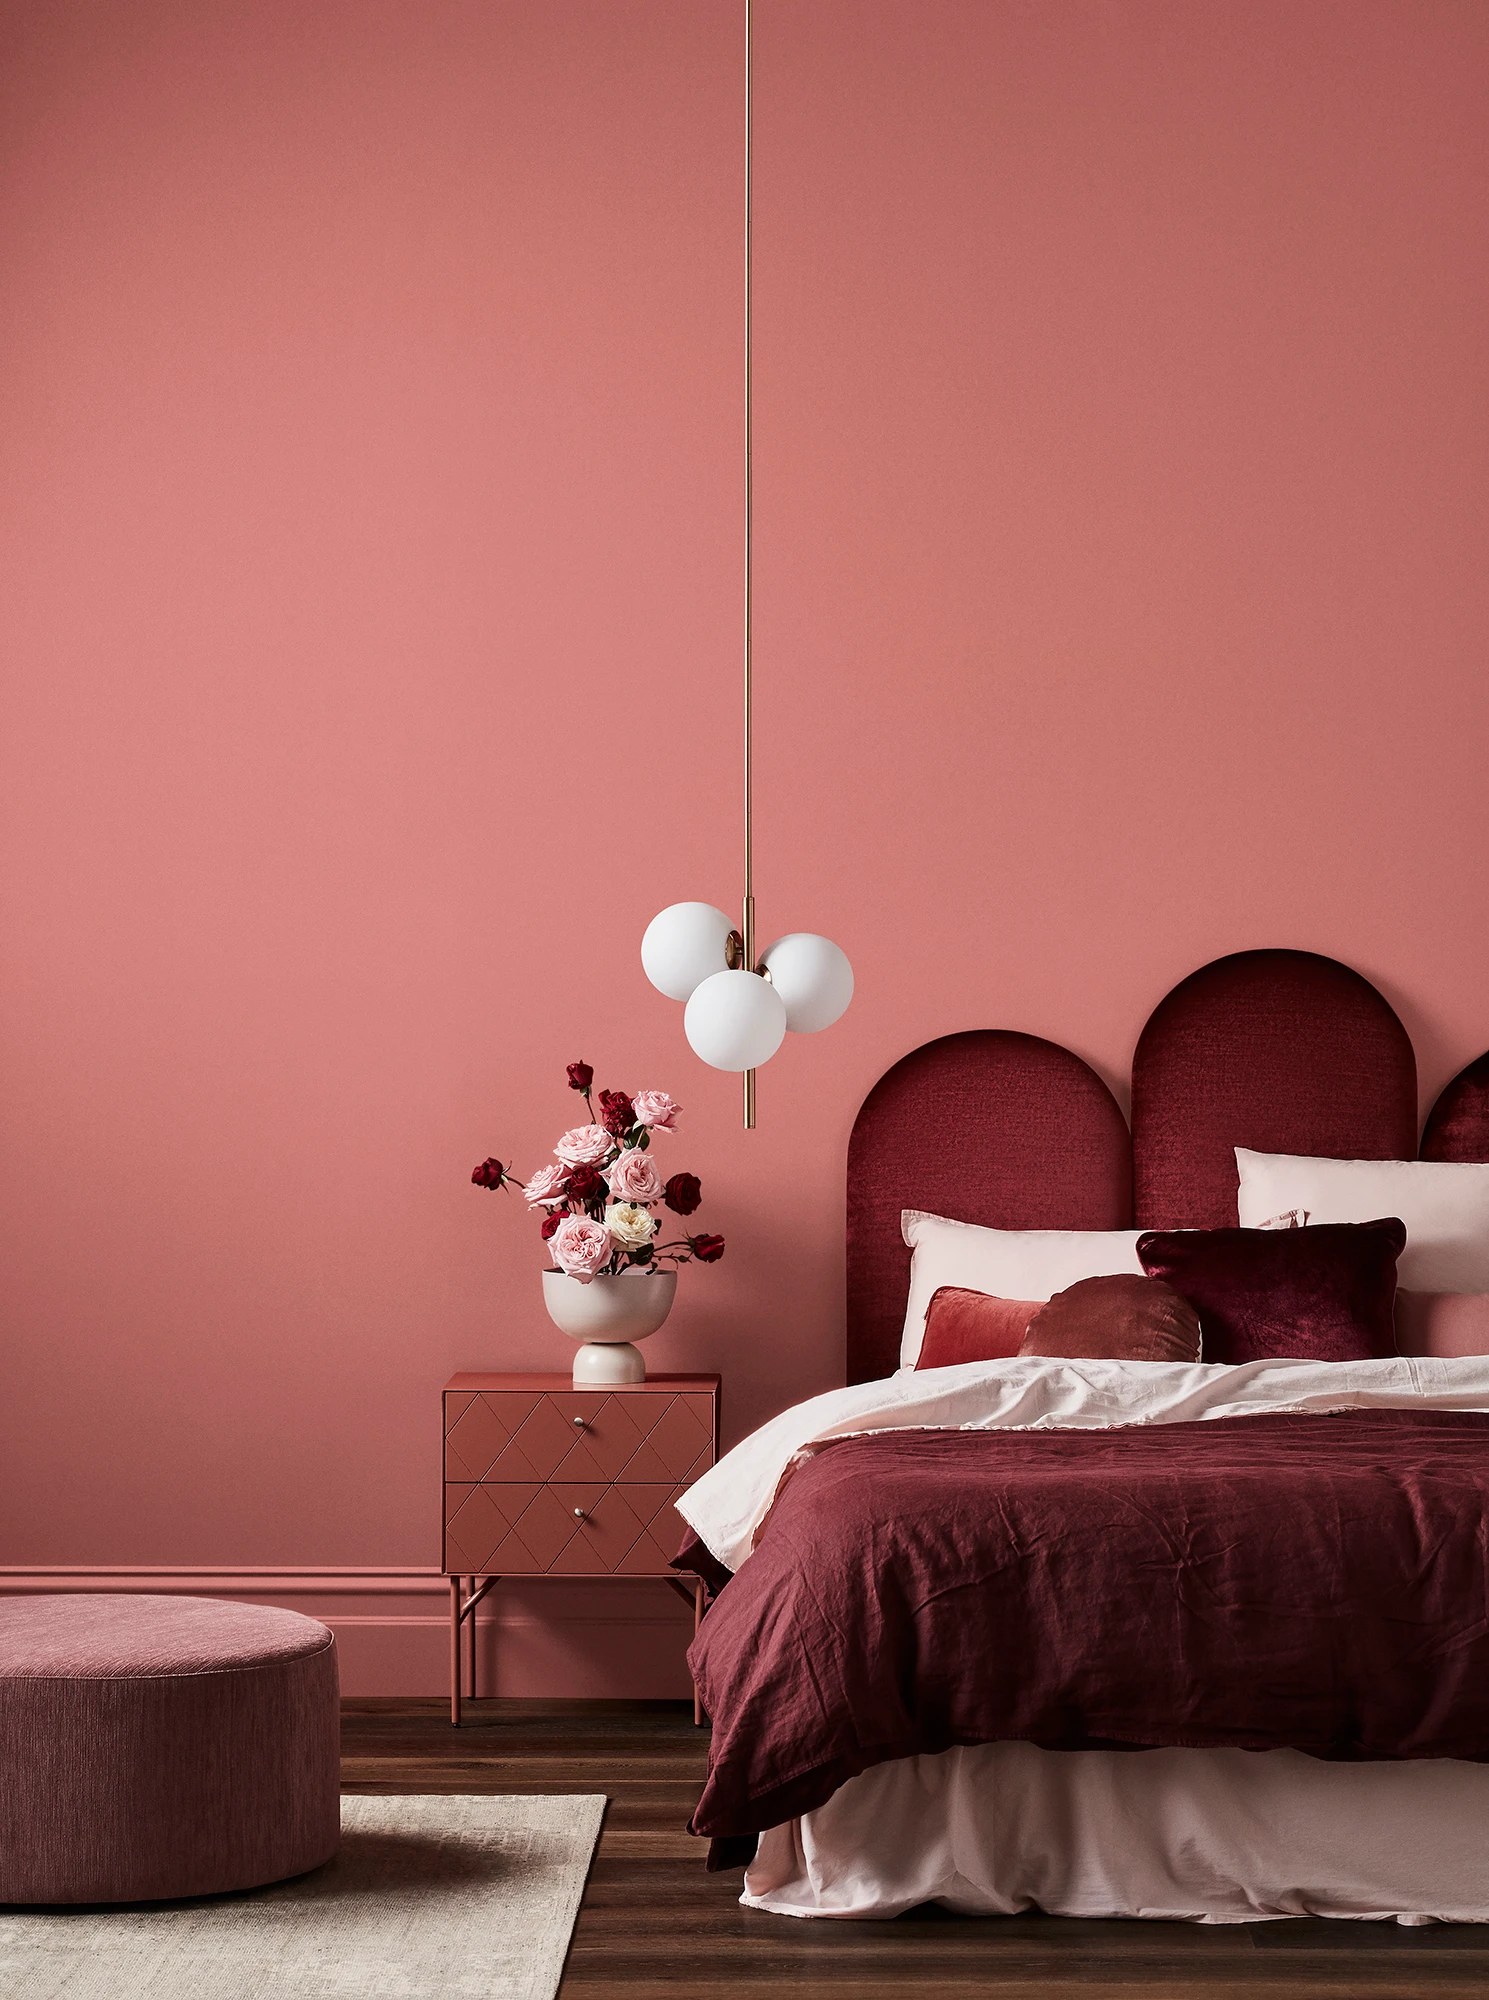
x=653 y=1923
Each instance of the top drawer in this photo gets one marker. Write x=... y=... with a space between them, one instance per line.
x=615 y=1435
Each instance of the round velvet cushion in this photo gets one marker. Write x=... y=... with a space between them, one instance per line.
x=158 y=1747
x=1121 y=1318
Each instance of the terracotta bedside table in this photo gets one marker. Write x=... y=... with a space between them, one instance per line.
x=543 y=1479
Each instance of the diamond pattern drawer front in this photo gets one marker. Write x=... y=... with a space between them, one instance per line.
x=611 y=1436
x=543 y=1479
x=531 y=1528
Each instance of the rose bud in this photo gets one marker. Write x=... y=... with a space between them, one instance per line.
x=489 y=1174
x=707 y=1249
x=584 y=1183
x=550 y=1223
x=682 y=1193
x=581 y=1076
x=617 y=1113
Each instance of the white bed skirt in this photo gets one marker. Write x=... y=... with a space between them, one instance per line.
x=1216 y=1836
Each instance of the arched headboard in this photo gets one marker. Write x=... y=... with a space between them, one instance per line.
x=991 y=1127
x=1281 y=1051
x=1458 y=1124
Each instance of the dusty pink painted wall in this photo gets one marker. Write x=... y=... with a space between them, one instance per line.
x=370 y=544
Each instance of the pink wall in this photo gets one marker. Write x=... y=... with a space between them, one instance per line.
x=370 y=586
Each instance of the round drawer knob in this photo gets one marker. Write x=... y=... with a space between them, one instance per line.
x=578 y=1513
x=580 y=1422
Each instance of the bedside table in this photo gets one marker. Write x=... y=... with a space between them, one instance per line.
x=543 y=1479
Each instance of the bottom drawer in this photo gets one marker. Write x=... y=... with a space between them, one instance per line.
x=572 y=1529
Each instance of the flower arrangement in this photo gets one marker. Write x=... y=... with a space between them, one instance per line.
x=597 y=1201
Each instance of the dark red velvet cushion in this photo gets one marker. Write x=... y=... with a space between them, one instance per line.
x=972 y=1326
x=1326 y=1293
x=1121 y=1318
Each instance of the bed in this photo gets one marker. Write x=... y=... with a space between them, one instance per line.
x=1103 y=1638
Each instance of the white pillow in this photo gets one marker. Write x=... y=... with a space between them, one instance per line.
x=1444 y=1204
x=1004 y=1263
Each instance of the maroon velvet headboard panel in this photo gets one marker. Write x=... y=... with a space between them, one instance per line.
x=1281 y=1051
x=1458 y=1124
x=991 y=1127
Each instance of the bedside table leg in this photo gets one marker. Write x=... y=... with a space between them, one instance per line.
x=697 y=1621
x=471 y=1641
x=454 y=1652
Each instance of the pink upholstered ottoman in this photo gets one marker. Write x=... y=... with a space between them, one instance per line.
x=162 y=1746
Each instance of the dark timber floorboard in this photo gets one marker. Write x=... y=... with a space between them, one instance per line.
x=654 y=1924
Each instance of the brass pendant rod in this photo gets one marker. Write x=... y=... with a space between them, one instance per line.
x=749 y=554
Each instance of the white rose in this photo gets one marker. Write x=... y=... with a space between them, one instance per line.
x=629 y=1223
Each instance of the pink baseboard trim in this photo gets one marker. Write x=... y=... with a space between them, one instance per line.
x=280 y=1582
x=536 y=1636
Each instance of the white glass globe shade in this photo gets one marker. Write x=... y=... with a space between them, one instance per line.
x=813 y=978
x=683 y=946
x=735 y=1020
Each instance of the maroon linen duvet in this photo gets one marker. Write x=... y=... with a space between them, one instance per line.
x=1319 y=1582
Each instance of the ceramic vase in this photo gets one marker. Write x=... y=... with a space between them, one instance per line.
x=607 y=1316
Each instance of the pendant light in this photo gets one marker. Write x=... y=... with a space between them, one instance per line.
x=739 y=1010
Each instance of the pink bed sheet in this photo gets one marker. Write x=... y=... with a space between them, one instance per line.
x=1214 y=1836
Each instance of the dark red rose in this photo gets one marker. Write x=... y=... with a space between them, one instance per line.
x=682 y=1193
x=550 y=1222
x=581 y=1076
x=707 y=1249
x=489 y=1174
x=584 y=1184
x=617 y=1113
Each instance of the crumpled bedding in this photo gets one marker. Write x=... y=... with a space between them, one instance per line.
x=1286 y=1555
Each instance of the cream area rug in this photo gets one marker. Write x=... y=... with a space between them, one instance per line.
x=429 y=1899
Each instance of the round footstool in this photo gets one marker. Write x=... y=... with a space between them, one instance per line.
x=162 y=1746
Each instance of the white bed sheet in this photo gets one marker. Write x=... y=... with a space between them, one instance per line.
x=728 y=1506
x=1214 y=1836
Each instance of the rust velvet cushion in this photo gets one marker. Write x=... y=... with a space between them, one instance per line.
x=156 y=1747
x=962 y=1325
x=1326 y=1293
x=1116 y=1319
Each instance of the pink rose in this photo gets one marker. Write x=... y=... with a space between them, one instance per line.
x=585 y=1146
x=632 y=1177
x=580 y=1247
x=547 y=1187
x=656 y=1109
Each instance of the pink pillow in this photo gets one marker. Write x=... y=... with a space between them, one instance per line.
x=1442 y=1324
x=972 y=1326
